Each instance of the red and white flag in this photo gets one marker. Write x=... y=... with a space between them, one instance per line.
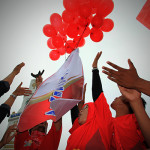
x=144 y=15
x=56 y=95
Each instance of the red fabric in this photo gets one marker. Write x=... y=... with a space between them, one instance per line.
x=144 y=15
x=36 y=111
x=51 y=141
x=98 y=119
x=38 y=140
x=126 y=133
x=75 y=126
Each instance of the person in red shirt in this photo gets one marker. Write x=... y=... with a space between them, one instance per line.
x=96 y=128
x=92 y=127
x=37 y=139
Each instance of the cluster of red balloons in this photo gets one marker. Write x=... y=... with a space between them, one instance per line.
x=80 y=19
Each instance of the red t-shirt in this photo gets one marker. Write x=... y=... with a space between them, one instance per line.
x=38 y=140
x=96 y=132
x=127 y=134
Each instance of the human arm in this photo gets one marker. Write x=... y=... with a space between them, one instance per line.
x=6 y=106
x=76 y=109
x=134 y=98
x=4 y=87
x=15 y=71
x=18 y=92
x=39 y=80
x=96 y=81
x=127 y=77
x=8 y=136
x=81 y=103
x=58 y=124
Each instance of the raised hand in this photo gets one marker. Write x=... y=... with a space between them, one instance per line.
x=18 y=68
x=9 y=135
x=94 y=65
x=22 y=91
x=123 y=77
x=81 y=103
x=130 y=94
x=39 y=80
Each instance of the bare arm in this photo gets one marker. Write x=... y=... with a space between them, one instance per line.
x=18 y=92
x=81 y=103
x=142 y=118
x=134 y=98
x=8 y=136
x=96 y=80
x=127 y=77
x=15 y=71
x=58 y=124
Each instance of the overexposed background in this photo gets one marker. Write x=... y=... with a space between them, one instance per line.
x=22 y=40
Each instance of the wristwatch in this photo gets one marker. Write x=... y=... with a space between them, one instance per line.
x=14 y=96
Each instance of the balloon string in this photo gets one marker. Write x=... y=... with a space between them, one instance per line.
x=76 y=43
x=81 y=36
x=65 y=54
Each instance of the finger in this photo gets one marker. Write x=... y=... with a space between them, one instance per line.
x=27 y=92
x=110 y=71
x=22 y=64
x=98 y=55
x=112 y=79
x=114 y=65
x=131 y=65
x=105 y=72
x=85 y=85
x=20 y=84
x=25 y=88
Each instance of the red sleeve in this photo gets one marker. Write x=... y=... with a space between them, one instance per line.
x=102 y=108
x=104 y=120
x=52 y=139
x=20 y=139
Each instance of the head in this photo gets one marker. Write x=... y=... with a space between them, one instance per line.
x=121 y=104
x=87 y=113
x=42 y=127
x=83 y=114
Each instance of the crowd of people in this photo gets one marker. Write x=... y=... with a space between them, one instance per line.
x=93 y=126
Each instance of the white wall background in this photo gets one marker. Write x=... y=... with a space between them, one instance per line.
x=22 y=40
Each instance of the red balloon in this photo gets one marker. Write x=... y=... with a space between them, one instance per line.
x=79 y=41
x=49 y=30
x=84 y=22
x=56 y=20
x=107 y=25
x=85 y=2
x=68 y=16
x=97 y=21
x=64 y=38
x=86 y=31
x=54 y=55
x=105 y=8
x=57 y=41
x=95 y=3
x=71 y=5
x=72 y=30
x=70 y=46
x=85 y=10
x=77 y=17
x=63 y=29
x=96 y=35
x=62 y=50
x=49 y=43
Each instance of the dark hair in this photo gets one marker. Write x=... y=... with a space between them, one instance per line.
x=144 y=104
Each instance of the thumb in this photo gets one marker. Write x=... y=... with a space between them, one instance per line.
x=131 y=66
x=20 y=84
